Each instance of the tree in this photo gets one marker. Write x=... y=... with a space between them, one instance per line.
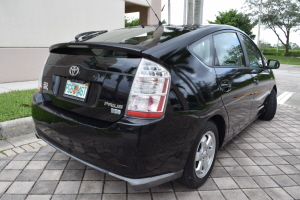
x=277 y=15
x=239 y=20
x=131 y=22
x=294 y=46
x=280 y=46
x=291 y=46
x=264 y=45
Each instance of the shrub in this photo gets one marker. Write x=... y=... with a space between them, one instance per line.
x=273 y=52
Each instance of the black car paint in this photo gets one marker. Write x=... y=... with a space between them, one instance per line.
x=138 y=148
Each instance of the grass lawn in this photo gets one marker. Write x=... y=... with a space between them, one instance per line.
x=15 y=104
x=284 y=59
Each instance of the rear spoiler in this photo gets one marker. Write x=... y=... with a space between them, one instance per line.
x=61 y=48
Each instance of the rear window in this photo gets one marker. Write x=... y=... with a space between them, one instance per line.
x=148 y=36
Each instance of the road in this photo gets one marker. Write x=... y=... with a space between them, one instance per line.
x=288 y=80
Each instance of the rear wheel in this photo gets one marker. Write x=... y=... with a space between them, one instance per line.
x=202 y=156
x=270 y=107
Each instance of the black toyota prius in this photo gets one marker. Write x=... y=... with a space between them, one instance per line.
x=150 y=104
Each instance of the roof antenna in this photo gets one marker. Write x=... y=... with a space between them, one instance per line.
x=159 y=22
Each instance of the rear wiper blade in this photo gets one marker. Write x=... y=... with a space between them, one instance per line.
x=87 y=35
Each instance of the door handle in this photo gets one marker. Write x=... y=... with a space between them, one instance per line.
x=226 y=85
x=255 y=80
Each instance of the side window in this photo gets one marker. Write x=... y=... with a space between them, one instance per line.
x=202 y=49
x=254 y=57
x=228 y=50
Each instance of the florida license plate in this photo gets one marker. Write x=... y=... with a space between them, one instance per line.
x=76 y=90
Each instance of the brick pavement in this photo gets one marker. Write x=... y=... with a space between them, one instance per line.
x=262 y=162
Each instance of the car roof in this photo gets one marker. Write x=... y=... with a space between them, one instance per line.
x=150 y=36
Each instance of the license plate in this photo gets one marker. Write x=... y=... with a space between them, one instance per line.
x=75 y=90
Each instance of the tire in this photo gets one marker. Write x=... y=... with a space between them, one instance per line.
x=195 y=173
x=270 y=107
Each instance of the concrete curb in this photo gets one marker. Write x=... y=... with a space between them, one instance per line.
x=16 y=127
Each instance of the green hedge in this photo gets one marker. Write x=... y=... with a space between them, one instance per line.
x=281 y=52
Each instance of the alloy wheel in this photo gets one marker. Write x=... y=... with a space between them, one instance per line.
x=205 y=154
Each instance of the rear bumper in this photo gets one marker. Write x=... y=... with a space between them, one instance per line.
x=138 y=183
x=140 y=152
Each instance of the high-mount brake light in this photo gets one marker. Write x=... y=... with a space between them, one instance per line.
x=77 y=46
x=149 y=91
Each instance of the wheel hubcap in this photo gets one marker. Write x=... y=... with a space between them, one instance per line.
x=205 y=154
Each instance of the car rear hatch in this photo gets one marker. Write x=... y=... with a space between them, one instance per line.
x=90 y=81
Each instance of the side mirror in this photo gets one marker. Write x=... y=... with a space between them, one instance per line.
x=273 y=64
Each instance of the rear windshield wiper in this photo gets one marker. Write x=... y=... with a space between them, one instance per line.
x=87 y=35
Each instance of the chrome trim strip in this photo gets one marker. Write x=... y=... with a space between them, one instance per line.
x=260 y=107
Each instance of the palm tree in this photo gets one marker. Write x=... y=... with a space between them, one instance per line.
x=190 y=12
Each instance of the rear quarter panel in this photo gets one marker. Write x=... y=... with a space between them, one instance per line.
x=194 y=98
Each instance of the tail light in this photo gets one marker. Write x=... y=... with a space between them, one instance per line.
x=149 y=91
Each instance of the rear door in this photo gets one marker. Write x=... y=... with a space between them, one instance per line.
x=234 y=79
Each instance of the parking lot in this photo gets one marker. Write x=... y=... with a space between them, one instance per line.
x=262 y=162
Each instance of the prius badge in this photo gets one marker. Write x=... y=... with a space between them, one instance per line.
x=115 y=108
x=74 y=70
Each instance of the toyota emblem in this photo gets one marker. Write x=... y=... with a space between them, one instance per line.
x=74 y=70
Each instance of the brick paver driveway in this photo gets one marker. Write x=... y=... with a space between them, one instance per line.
x=262 y=162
